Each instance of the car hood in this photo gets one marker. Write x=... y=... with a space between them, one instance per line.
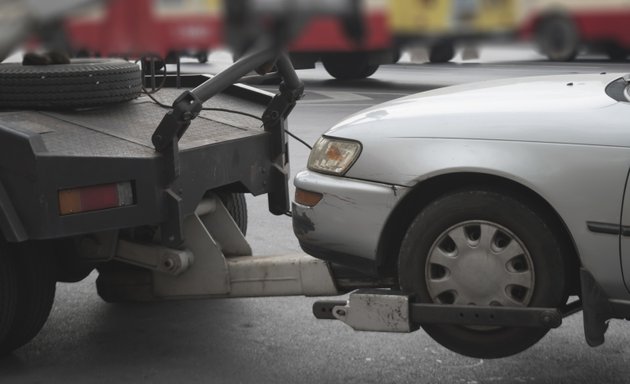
x=556 y=109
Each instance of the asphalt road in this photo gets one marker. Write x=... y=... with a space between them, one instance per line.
x=277 y=339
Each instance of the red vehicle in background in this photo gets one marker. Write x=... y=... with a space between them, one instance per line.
x=170 y=28
x=135 y=28
x=325 y=39
x=561 y=28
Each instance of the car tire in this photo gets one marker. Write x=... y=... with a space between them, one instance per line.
x=442 y=52
x=349 y=66
x=80 y=84
x=36 y=280
x=459 y=249
x=8 y=297
x=558 y=38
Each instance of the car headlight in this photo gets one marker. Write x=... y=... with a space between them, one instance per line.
x=335 y=156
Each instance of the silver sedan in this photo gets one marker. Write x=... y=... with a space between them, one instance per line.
x=504 y=193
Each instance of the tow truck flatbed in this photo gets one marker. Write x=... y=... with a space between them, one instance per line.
x=112 y=144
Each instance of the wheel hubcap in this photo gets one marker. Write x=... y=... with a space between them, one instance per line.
x=479 y=263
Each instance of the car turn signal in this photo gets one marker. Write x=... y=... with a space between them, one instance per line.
x=307 y=198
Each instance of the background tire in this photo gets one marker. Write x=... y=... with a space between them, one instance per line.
x=36 y=280
x=82 y=83
x=616 y=52
x=542 y=251
x=202 y=57
x=442 y=52
x=349 y=66
x=558 y=38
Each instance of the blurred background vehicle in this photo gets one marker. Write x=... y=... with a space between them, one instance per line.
x=561 y=28
x=169 y=29
x=441 y=24
x=159 y=28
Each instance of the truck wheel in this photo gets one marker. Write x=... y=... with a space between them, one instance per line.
x=442 y=52
x=237 y=207
x=8 y=297
x=35 y=272
x=82 y=83
x=481 y=247
x=558 y=38
x=349 y=66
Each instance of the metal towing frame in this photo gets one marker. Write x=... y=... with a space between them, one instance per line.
x=213 y=259
x=205 y=255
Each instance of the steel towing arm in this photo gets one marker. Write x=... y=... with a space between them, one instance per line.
x=381 y=310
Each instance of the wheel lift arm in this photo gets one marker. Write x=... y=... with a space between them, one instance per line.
x=389 y=311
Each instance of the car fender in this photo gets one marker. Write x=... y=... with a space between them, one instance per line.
x=582 y=183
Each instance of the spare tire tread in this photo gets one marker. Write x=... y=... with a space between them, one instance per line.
x=83 y=83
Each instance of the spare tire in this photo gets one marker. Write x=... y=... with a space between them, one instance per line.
x=82 y=83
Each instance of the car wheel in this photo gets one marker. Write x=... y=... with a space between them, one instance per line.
x=8 y=297
x=558 y=39
x=82 y=83
x=442 y=52
x=349 y=66
x=483 y=248
x=36 y=275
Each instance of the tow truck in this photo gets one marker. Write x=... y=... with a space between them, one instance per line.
x=151 y=199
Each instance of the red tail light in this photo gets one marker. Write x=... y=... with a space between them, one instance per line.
x=95 y=198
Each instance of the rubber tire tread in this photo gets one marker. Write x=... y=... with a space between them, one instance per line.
x=525 y=223
x=8 y=297
x=83 y=83
x=349 y=66
x=549 y=27
x=36 y=273
x=236 y=205
x=442 y=52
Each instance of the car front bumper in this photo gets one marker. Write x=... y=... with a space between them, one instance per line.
x=345 y=226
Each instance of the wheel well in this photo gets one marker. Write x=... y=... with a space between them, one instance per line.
x=427 y=191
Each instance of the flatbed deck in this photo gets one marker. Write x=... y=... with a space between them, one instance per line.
x=125 y=130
